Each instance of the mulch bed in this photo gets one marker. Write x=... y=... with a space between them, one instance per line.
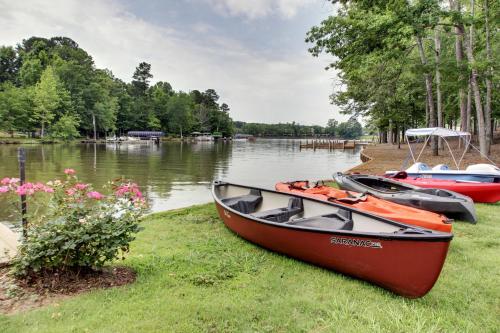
x=19 y=295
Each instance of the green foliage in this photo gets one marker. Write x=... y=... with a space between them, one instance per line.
x=8 y=64
x=350 y=129
x=15 y=107
x=179 y=108
x=66 y=128
x=78 y=227
x=44 y=79
x=380 y=69
x=46 y=98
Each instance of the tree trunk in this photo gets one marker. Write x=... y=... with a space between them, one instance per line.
x=489 y=74
x=390 y=137
x=426 y=113
x=459 y=56
x=481 y=130
x=93 y=124
x=468 y=111
x=428 y=89
x=437 y=46
x=43 y=129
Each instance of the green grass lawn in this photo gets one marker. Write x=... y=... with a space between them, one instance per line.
x=196 y=275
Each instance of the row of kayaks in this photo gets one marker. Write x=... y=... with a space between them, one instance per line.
x=391 y=230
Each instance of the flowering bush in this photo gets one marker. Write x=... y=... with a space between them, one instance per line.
x=78 y=226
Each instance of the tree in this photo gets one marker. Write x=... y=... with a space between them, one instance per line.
x=66 y=128
x=331 y=127
x=350 y=129
x=52 y=82
x=382 y=51
x=15 y=108
x=160 y=94
x=180 y=113
x=9 y=65
x=46 y=99
x=141 y=78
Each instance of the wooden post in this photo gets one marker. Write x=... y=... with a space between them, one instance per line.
x=21 y=157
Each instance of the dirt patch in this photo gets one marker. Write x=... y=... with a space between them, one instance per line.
x=49 y=288
x=379 y=158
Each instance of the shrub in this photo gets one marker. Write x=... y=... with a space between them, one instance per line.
x=79 y=227
x=66 y=128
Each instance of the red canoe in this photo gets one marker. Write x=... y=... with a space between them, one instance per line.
x=479 y=192
x=404 y=259
x=370 y=204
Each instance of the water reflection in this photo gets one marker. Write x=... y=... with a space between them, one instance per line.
x=175 y=174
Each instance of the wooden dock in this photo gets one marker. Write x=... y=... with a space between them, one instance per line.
x=332 y=144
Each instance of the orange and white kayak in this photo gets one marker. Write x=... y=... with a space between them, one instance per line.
x=369 y=203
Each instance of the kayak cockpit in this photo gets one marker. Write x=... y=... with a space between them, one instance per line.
x=381 y=185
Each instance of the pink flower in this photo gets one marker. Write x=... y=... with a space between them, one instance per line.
x=69 y=172
x=9 y=181
x=47 y=189
x=25 y=189
x=39 y=187
x=4 y=189
x=95 y=195
x=70 y=191
x=81 y=186
x=132 y=189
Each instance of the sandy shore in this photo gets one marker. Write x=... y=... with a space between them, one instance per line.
x=381 y=157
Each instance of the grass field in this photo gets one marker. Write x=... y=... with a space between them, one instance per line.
x=194 y=275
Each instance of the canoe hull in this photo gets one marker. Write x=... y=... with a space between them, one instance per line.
x=407 y=267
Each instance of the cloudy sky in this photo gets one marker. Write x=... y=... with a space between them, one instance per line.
x=252 y=52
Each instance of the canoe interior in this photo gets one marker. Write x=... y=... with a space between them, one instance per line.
x=282 y=208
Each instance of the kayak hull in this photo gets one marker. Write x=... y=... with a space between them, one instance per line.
x=391 y=210
x=484 y=178
x=479 y=192
x=408 y=265
x=442 y=201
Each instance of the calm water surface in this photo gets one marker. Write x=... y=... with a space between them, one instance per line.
x=175 y=174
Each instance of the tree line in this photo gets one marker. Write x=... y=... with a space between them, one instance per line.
x=411 y=63
x=52 y=86
x=350 y=129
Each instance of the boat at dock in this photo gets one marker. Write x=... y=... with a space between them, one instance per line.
x=404 y=259
x=477 y=191
x=369 y=203
x=202 y=137
x=441 y=201
x=483 y=172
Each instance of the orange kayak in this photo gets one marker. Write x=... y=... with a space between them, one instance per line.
x=368 y=203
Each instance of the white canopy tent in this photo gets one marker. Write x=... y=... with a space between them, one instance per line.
x=436 y=131
x=443 y=133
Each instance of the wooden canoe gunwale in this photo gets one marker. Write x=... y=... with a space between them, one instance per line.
x=434 y=236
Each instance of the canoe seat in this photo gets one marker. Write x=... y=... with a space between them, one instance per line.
x=336 y=221
x=295 y=206
x=245 y=204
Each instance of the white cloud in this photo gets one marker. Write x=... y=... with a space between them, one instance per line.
x=257 y=87
x=258 y=8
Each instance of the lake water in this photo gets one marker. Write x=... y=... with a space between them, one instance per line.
x=174 y=174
